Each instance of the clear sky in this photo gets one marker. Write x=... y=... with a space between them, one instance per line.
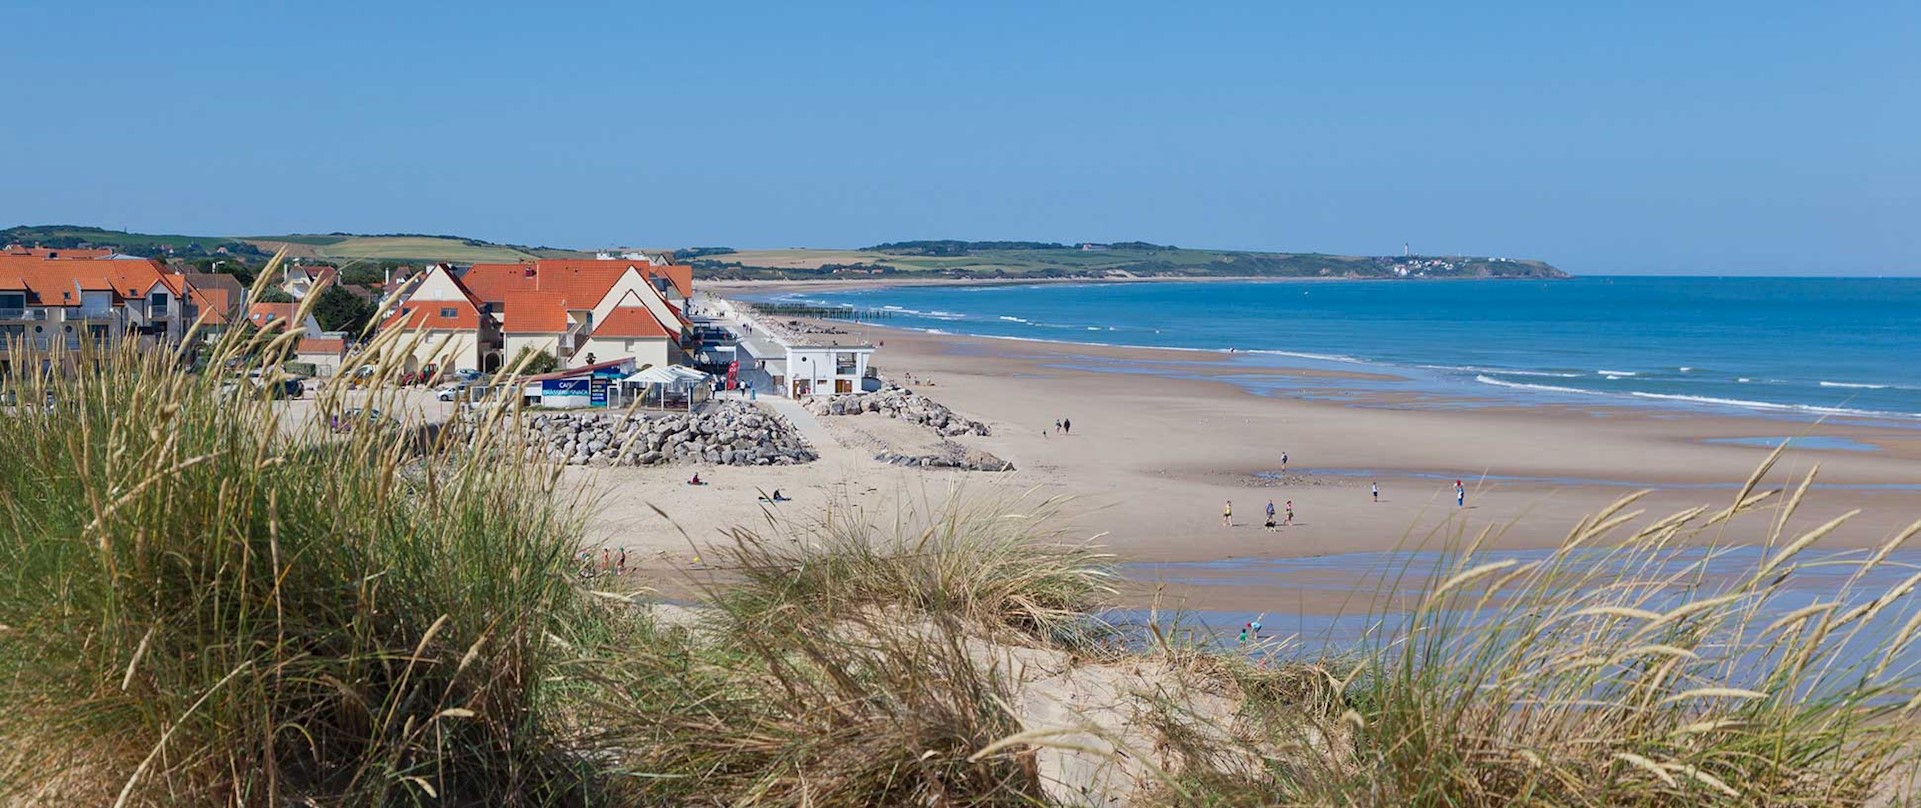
x=1724 y=137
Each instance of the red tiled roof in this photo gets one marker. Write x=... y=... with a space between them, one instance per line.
x=214 y=304
x=443 y=315
x=630 y=321
x=531 y=313
x=55 y=281
x=58 y=252
x=272 y=315
x=680 y=275
x=332 y=345
x=493 y=282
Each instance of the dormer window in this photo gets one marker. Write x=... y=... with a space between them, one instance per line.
x=449 y=313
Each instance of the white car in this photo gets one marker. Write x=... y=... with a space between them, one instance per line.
x=451 y=392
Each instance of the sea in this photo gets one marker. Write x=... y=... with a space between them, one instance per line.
x=1842 y=348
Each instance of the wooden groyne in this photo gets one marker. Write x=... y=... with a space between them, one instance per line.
x=818 y=312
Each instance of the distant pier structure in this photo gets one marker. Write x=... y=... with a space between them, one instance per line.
x=814 y=311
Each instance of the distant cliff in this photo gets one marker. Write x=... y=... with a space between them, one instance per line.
x=1038 y=259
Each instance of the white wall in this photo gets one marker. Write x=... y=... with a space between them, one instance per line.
x=817 y=363
x=450 y=350
x=645 y=351
x=513 y=343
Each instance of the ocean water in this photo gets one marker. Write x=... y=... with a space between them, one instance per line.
x=1846 y=347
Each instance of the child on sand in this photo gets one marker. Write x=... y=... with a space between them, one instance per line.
x=1376 y=487
x=1290 y=511
x=1227 y=514
x=1460 y=495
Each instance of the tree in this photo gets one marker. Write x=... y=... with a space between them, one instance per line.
x=274 y=294
x=530 y=362
x=341 y=310
x=363 y=275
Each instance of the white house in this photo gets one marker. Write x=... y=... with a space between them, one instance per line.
x=445 y=328
x=815 y=370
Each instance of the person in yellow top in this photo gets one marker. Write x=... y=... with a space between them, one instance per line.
x=1227 y=514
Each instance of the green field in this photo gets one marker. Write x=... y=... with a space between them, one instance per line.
x=401 y=248
x=1117 y=262
x=69 y=236
x=340 y=247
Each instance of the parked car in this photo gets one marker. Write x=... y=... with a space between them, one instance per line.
x=451 y=392
x=355 y=417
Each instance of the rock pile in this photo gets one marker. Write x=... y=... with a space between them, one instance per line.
x=731 y=433
x=895 y=401
x=948 y=455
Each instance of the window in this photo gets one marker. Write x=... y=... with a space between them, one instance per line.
x=449 y=313
x=12 y=300
x=157 y=305
x=844 y=364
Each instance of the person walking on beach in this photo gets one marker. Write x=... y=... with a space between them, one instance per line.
x=1377 y=490
x=1067 y=426
x=620 y=563
x=1460 y=495
x=1283 y=462
x=1057 y=426
x=1290 y=512
x=1270 y=513
x=1227 y=514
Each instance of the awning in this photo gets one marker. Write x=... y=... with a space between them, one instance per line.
x=672 y=375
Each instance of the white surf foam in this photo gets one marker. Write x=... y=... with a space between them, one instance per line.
x=1539 y=388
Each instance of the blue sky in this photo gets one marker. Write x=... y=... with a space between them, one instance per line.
x=1754 y=137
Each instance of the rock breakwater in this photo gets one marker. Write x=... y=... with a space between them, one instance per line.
x=899 y=402
x=730 y=433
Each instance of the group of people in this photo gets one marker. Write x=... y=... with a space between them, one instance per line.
x=1062 y=426
x=1227 y=515
x=610 y=564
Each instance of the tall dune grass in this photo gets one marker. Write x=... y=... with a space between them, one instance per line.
x=202 y=602
x=1627 y=667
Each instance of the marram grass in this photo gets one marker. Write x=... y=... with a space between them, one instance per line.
x=202 y=602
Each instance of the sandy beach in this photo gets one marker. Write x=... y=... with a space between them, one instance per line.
x=1151 y=462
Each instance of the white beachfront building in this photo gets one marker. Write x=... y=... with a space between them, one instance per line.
x=818 y=370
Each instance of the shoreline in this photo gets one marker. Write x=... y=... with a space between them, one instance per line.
x=881 y=283
x=1503 y=392
x=1151 y=460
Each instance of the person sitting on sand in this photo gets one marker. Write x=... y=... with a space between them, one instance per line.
x=696 y=480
